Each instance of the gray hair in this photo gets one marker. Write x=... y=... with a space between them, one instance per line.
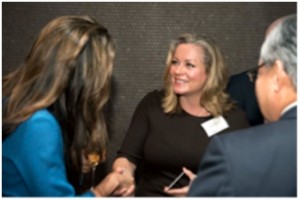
x=281 y=44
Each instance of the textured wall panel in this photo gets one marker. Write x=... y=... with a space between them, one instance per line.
x=143 y=32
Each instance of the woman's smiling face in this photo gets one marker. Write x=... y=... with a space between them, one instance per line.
x=187 y=70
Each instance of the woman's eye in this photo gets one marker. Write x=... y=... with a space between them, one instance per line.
x=174 y=62
x=190 y=65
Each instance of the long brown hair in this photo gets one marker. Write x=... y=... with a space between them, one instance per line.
x=67 y=71
x=213 y=97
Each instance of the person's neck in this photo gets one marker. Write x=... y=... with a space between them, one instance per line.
x=191 y=104
x=288 y=100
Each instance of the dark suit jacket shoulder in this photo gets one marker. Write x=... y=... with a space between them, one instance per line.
x=258 y=161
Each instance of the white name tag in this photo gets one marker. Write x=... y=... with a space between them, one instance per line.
x=215 y=125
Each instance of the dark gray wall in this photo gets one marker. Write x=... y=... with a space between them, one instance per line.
x=143 y=31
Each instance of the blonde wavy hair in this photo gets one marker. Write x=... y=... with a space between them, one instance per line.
x=213 y=97
x=67 y=71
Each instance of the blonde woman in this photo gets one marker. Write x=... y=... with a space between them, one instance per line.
x=52 y=107
x=172 y=127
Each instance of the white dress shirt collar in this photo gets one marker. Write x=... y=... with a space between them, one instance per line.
x=289 y=107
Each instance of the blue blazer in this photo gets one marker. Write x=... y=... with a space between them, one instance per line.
x=258 y=161
x=33 y=163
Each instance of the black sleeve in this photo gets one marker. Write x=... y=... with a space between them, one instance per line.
x=133 y=143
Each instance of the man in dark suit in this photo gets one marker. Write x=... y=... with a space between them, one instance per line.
x=241 y=89
x=261 y=160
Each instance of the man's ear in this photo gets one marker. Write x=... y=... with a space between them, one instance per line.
x=280 y=76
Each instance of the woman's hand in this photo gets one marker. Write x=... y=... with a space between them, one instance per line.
x=115 y=183
x=181 y=192
x=128 y=169
x=127 y=186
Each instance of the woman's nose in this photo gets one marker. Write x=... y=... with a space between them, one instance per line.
x=179 y=69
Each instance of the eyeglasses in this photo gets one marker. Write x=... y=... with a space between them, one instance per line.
x=253 y=73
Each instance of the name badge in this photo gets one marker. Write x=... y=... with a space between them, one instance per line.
x=215 y=125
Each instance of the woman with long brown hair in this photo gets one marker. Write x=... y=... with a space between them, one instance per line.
x=52 y=110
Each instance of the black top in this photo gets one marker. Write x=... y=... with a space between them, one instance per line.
x=161 y=144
